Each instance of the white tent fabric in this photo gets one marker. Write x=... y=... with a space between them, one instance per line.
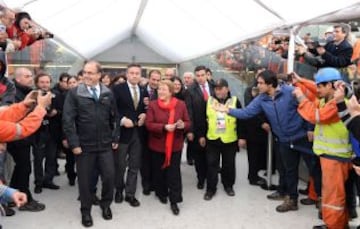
x=179 y=30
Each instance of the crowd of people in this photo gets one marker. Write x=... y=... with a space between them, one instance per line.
x=117 y=127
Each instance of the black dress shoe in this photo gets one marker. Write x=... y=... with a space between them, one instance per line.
x=209 y=195
x=86 y=220
x=106 y=213
x=38 y=189
x=132 y=201
x=51 y=186
x=230 y=191
x=175 y=209
x=95 y=200
x=190 y=162
x=258 y=182
x=146 y=191
x=8 y=211
x=71 y=182
x=162 y=199
x=200 y=185
x=119 y=197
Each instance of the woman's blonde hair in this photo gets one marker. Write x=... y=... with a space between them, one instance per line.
x=169 y=84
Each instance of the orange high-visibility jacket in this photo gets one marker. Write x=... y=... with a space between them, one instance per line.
x=309 y=107
x=15 y=124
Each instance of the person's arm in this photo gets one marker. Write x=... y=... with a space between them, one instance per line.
x=68 y=118
x=250 y=111
x=188 y=102
x=151 y=124
x=308 y=87
x=186 y=119
x=352 y=122
x=14 y=112
x=240 y=124
x=6 y=193
x=115 y=121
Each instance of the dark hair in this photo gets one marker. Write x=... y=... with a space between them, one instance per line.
x=200 y=67
x=72 y=77
x=117 y=77
x=2 y=68
x=80 y=73
x=133 y=65
x=269 y=77
x=345 y=28
x=41 y=74
x=63 y=75
x=208 y=71
x=178 y=79
x=154 y=70
x=19 y=16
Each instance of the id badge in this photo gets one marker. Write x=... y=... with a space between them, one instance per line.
x=220 y=123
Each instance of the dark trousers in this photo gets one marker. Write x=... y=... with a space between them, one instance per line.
x=312 y=161
x=129 y=155
x=350 y=188
x=200 y=161
x=215 y=149
x=256 y=152
x=70 y=164
x=85 y=164
x=146 y=170
x=44 y=149
x=22 y=170
x=168 y=180
x=190 y=151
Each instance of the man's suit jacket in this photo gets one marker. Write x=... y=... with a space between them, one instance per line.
x=196 y=106
x=126 y=108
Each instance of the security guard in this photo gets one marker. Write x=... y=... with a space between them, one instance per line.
x=224 y=136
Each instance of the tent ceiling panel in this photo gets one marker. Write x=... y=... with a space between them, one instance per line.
x=176 y=29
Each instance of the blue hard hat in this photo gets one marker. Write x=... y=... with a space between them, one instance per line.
x=327 y=75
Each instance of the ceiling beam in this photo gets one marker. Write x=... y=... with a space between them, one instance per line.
x=267 y=8
x=138 y=16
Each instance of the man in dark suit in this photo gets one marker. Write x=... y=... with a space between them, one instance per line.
x=130 y=102
x=145 y=170
x=196 y=98
x=90 y=125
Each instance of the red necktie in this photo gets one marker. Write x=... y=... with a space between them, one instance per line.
x=205 y=94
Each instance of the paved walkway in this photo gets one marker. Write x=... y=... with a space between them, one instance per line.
x=249 y=209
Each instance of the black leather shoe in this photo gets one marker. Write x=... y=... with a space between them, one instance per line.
x=95 y=200
x=71 y=182
x=353 y=213
x=230 y=191
x=106 y=213
x=190 y=162
x=320 y=227
x=307 y=201
x=209 y=195
x=119 y=197
x=175 y=209
x=200 y=185
x=146 y=191
x=51 y=186
x=38 y=189
x=162 y=199
x=132 y=201
x=258 y=182
x=86 y=220
x=8 y=211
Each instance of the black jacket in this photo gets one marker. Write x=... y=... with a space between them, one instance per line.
x=92 y=125
x=126 y=108
x=196 y=106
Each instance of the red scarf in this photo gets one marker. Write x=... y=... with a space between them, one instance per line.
x=169 y=135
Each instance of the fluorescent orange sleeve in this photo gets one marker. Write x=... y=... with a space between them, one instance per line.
x=308 y=87
x=13 y=113
x=326 y=114
x=11 y=131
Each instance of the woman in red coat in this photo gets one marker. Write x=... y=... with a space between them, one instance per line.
x=167 y=120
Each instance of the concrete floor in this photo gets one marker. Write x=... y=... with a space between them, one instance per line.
x=249 y=209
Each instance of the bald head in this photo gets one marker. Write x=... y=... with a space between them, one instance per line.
x=169 y=73
x=24 y=77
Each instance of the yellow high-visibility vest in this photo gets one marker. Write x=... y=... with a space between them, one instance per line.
x=221 y=125
x=332 y=139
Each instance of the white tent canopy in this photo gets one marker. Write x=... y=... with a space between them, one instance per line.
x=178 y=30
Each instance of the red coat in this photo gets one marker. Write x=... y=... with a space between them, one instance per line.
x=157 y=118
x=15 y=33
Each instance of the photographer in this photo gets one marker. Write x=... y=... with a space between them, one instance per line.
x=44 y=142
x=26 y=31
x=336 y=53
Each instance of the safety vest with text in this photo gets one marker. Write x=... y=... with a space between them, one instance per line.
x=221 y=125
